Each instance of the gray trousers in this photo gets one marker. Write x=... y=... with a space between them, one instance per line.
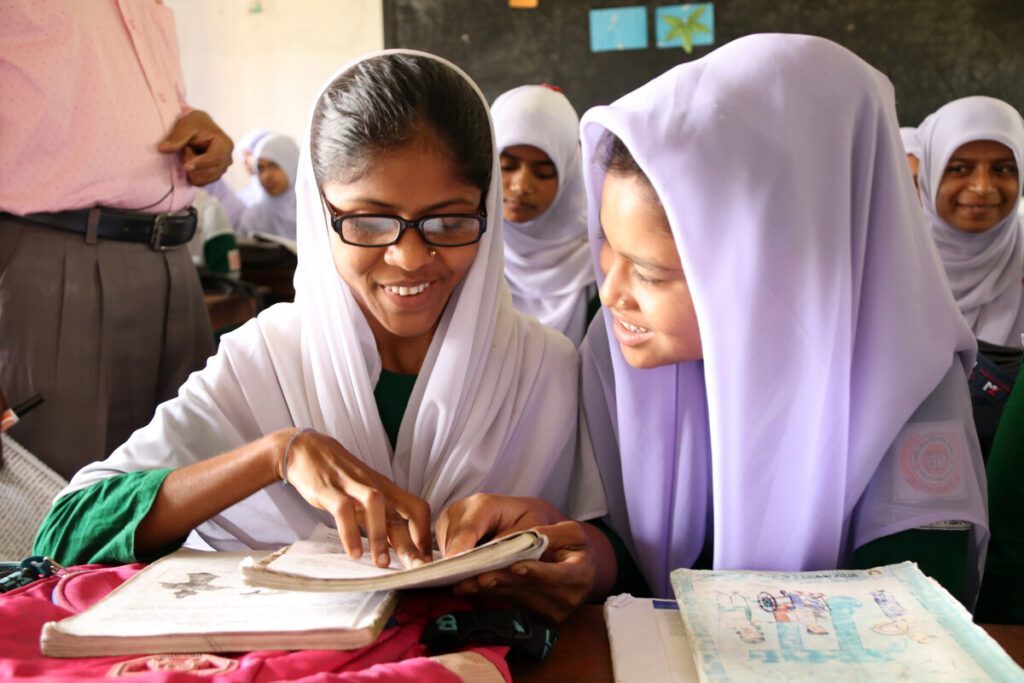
x=104 y=331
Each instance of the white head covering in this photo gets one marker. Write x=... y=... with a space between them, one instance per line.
x=984 y=269
x=274 y=214
x=547 y=261
x=822 y=317
x=910 y=142
x=493 y=408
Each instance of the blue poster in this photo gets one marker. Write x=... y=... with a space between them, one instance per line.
x=685 y=25
x=618 y=28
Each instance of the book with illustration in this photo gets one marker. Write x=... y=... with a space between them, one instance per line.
x=195 y=601
x=886 y=623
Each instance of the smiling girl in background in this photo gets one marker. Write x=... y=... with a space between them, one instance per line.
x=547 y=260
x=399 y=381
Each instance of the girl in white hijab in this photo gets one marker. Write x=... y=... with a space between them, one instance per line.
x=277 y=160
x=547 y=261
x=970 y=182
x=914 y=152
x=778 y=380
x=399 y=284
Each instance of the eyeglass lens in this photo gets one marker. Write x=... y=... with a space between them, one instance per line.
x=436 y=230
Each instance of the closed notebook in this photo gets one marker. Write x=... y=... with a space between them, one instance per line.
x=195 y=601
x=885 y=623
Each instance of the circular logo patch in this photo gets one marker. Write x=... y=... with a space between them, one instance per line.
x=932 y=461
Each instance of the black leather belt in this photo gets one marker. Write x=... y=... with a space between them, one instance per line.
x=159 y=230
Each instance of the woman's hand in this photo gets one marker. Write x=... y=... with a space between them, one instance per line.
x=578 y=563
x=332 y=479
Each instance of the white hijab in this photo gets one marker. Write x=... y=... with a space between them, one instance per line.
x=832 y=353
x=547 y=261
x=910 y=142
x=493 y=408
x=274 y=214
x=984 y=269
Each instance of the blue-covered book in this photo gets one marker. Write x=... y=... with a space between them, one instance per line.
x=886 y=623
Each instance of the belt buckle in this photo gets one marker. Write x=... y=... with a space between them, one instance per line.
x=156 y=236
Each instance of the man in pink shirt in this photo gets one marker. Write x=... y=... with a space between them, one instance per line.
x=101 y=309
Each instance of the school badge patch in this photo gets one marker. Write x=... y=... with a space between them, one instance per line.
x=931 y=457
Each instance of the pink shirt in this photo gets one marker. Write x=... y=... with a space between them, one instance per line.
x=87 y=91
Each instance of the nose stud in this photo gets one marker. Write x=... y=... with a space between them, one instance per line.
x=432 y=253
x=621 y=303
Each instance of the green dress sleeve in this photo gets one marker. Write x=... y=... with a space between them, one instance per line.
x=97 y=524
x=1002 y=588
x=940 y=554
x=628 y=579
x=392 y=396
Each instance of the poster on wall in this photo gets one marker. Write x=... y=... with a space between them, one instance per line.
x=685 y=25
x=618 y=28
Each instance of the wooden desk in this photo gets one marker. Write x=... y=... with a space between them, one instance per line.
x=228 y=311
x=582 y=652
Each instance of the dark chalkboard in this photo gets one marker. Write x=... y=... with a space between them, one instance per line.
x=932 y=50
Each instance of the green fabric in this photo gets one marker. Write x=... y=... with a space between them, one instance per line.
x=628 y=578
x=593 y=306
x=98 y=523
x=940 y=554
x=1002 y=588
x=217 y=253
x=392 y=396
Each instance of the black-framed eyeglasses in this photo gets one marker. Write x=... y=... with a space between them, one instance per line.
x=381 y=230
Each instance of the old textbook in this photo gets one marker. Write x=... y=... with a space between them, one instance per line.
x=194 y=601
x=886 y=623
x=320 y=564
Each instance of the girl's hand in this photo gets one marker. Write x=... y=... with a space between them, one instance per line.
x=566 y=575
x=332 y=479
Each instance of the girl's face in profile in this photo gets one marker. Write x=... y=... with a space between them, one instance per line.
x=529 y=181
x=272 y=177
x=644 y=286
x=403 y=288
x=979 y=186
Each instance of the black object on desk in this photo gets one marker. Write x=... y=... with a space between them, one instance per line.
x=526 y=636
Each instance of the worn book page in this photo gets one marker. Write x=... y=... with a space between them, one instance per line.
x=887 y=623
x=321 y=564
x=202 y=593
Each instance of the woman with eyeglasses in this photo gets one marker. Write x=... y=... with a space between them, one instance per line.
x=399 y=381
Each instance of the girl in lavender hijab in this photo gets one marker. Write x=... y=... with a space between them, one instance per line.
x=778 y=379
x=277 y=161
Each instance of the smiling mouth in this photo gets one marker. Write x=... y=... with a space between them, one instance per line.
x=407 y=291
x=633 y=328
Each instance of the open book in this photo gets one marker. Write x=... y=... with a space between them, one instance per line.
x=886 y=623
x=320 y=564
x=194 y=601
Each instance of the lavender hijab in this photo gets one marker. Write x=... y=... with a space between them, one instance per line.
x=984 y=269
x=274 y=214
x=832 y=354
x=253 y=192
x=547 y=261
